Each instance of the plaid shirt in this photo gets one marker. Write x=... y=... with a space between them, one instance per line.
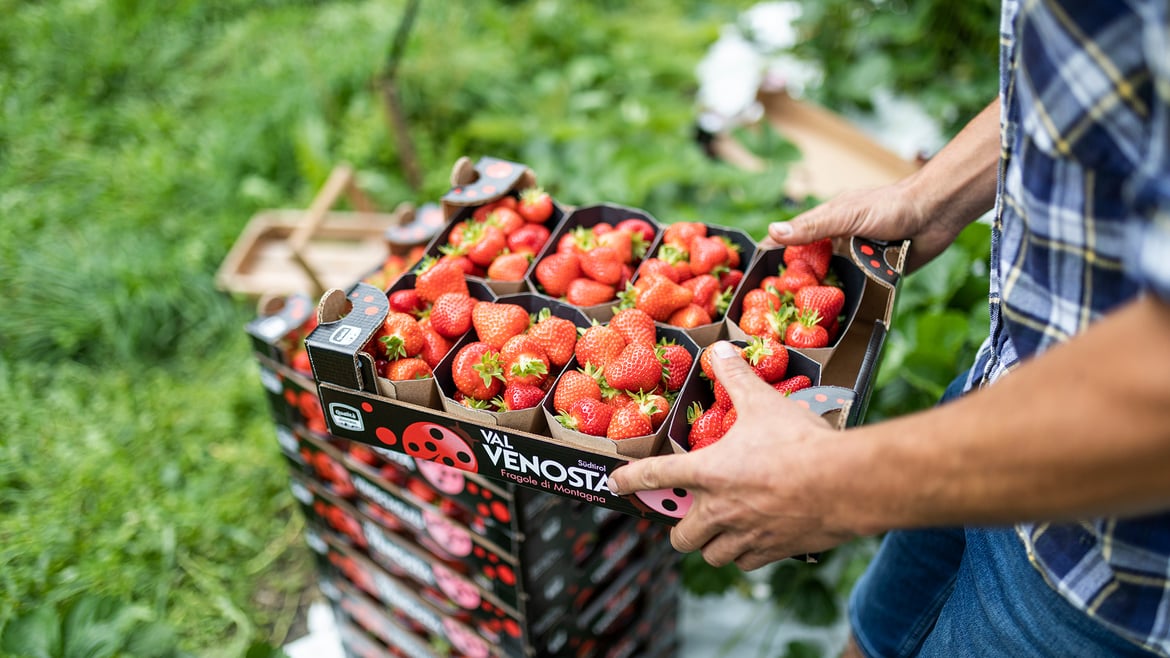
x=1082 y=225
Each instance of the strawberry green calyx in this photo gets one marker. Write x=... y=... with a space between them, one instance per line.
x=722 y=301
x=638 y=245
x=395 y=347
x=489 y=368
x=672 y=254
x=626 y=298
x=526 y=366
x=567 y=420
x=425 y=264
x=693 y=412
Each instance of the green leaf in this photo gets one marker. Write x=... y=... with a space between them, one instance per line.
x=702 y=579
x=802 y=649
x=36 y=633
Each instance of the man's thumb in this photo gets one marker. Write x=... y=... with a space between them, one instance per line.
x=806 y=227
x=734 y=373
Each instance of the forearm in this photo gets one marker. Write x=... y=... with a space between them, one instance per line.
x=1079 y=431
x=957 y=185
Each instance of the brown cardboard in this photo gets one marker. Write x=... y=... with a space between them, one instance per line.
x=835 y=155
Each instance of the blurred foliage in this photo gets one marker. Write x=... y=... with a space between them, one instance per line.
x=139 y=476
x=941 y=54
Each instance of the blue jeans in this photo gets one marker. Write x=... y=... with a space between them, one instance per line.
x=953 y=592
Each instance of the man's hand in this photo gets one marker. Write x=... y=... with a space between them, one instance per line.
x=760 y=492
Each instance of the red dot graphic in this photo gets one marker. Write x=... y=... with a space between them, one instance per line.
x=472 y=488
x=506 y=575
x=803 y=403
x=370 y=310
x=489 y=189
x=821 y=397
x=386 y=436
x=490 y=572
x=867 y=250
x=875 y=264
x=367 y=407
x=501 y=512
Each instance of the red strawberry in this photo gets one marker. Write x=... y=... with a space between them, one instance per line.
x=620 y=242
x=483 y=242
x=636 y=368
x=517 y=396
x=476 y=371
x=733 y=256
x=792 y=384
x=602 y=264
x=758 y=322
x=628 y=422
x=435 y=347
x=587 y=292
x=794 y=277
x=656 y=406
x=588 y=416
x=827 y=301
x=462 y=262
x=689 y=317
x=729 y=418
x=722 y=397
x=706 y=291
x=599 y=345
x=508 y=267
x=406 y=301
x=506 y=219
x=662 y=298
x=707 y=254
x=806 y=332
x=554 y=273
x=401 y=336
x=762 y=299
x=557 y=336
x=636 y=226
x=578 y=240
x=614 y=398
x=635 y=325
x=450 y=315
x=573 y=386
x=410 y=368
x=706 y=426
x=678 y=365
x=657 y=266
x=524 y=361
x=535 y=205
x=768 y=358
x=529 y=238
x=730 y=279
x=495 y=323
x=458 y=229
x=681 y=233
x=438 y=278
x=817 y=254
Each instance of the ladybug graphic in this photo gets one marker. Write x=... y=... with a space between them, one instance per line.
x=460 y=591
x=454 y=540
x=674 y=503
x=447 y=480
x=464 y=641
x=432 y=442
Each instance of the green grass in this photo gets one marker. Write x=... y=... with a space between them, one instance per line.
x=136 y=139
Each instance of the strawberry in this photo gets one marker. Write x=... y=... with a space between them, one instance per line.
x=620 y=242
x=587 y=292
x=657 y=266
x=436 y=278
x=758 y=322
x=635 y=325
x=535 y=205
x=806 y=332
x=729 y=418
x=406 y=301
x=707 y=254
x=529 y=239
x=636 y=368
x=677 y=257
x=476 y=371
x=579 y=240
x=730 y=279
x=483 y=242
x=662 y=298
x=462 y=262
x=588 y=416
x=554 y=273
x=705 y=361
x=517 y=396
x=706 y=426
x=792 y=384
x=734 y=258
x=817 y=254
x=681 y=233
x=689 y=317
x=508 y=267
x=628 y=422
x=767 y=357
x=722 y=397
x=450 y=315
x=557 y=336
x=524 y=361
x=615 y=398
x=435 y=347
x=794 y=277
x=656 y=406
x=636 y=226
x=495 y=323
x=762 y=299
x=706 y=293
x=678 y=364
x=599 y=345
x=401 y=336
x=827 y=301
x=410 y=368
x=573 y=386
x=506 y=219
x=602 y=264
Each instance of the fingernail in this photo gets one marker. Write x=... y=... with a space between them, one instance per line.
x=614 y=488
x=780 y=229
x=724 y=350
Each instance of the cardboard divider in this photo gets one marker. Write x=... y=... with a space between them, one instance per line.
x=638 y=446
x=748 y=250
x=527 y=420
x=588 y=217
